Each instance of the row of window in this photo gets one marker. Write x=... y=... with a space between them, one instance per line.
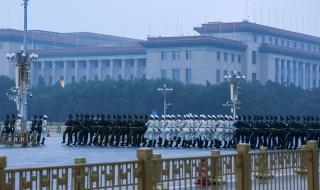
x=226 y=56
x=175 y=55
x=287 y=43
x=176 y=75
x=295 y=73
x=84 y=65
x=96 y=78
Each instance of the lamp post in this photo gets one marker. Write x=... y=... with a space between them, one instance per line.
x=234 y=80
x=164 y=90
x=22 y=60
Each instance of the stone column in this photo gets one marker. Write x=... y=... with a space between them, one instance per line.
x=65 y=72
x=76 y=71
x=317 y=75
x=303 y=76
x=53 y=73
x=135 y=68
x=111 y=68
x=295 y=73
x=88 y=69
x=99 y=70
x=123 y=69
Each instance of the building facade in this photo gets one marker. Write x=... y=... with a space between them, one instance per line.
x=11 y=42
x=86 y=64
x=259 y=52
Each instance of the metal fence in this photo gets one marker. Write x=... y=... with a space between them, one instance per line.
x=275 y=170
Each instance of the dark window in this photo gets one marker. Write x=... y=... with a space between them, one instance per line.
x=254 y=37
x=164 y=55
x=175 y=55
x=175 y=74
x=188 y=55
x=263 y=39
x=295 y=44
x=254 y=57
x=254 y=76
x=276 y=41
x=288 y=43
x=282 y=42
x=239 y=58
x=270 y=40
x=232 y=58
x=163 y=73
x=96 y=77
x=218 y=76
x=73 y=65
x=225 y=56
x=218 y=56
x=188 y=76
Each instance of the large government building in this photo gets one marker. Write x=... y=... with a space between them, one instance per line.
x=259 y=52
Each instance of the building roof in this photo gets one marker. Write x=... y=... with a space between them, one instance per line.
x=192 y=41
x=84 y=52
x=73 y=39
x=304 y=54
x=216 y=27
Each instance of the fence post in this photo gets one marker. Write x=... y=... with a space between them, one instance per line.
x=312 y=165
x=79 y=174
x=243 y=171
x=3 y=165
x=145 y=181
x=158 y=174
x=216 y=167
x=263 y=164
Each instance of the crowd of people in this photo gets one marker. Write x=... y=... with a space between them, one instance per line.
x=12 y=127
x=191 y=131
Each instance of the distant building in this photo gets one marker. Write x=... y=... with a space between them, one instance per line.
x=11 y=41
x=84 y=64
x=259 y=52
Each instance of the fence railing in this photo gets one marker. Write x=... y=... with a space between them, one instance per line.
x=275 y=170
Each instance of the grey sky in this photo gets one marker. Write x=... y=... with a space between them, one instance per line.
x=138 y=18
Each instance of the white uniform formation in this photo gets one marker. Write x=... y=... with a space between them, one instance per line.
x=204 y=131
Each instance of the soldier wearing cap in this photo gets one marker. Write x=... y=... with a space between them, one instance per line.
x=68 y=131
x=6 y=129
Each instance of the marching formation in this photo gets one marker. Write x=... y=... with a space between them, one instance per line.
x=101 y=130
x=191 y=131
x=12 y=128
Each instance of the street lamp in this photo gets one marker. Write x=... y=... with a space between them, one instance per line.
x=164 y=90
x=234 y=80
x=22 y=60
x=20 y=92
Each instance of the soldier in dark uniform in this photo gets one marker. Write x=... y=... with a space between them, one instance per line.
x=108 y=130
x=12 y=126
x=97 y=130
x=91 y=126
x=143 y=129
x=39 y=129
x=130 y=130
x=76 y=129
x=6 y=128
x=34 y=125
x=68 y=131
x=123 y=130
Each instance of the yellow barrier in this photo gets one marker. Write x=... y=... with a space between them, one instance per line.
x=273 y=170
